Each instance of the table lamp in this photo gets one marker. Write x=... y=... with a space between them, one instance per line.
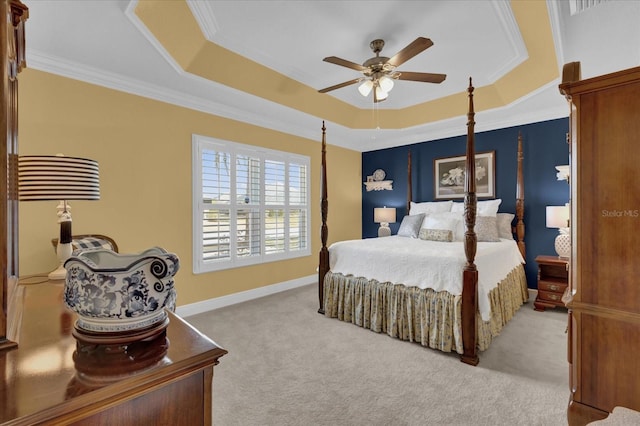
x=558 y=217
x=58 y=178
x=384 y=216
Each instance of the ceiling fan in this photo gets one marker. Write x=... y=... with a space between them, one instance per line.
x=380 y=71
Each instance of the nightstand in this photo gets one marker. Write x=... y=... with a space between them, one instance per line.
x=553 y=279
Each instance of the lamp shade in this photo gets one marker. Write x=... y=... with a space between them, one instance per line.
x=384 y=215
x=381 y=94
x=365 y=87
x=557 y=217
x=55 y=177
x=385 y=83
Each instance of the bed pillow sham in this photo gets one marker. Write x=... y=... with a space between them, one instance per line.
x=410 y=226
x=429 y=207
x=446 y=220
x=484 y=208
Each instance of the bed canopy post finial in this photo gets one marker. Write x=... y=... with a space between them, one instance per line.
x=470 y=274
x=323 y=266
x=409 y=189
x=520 y=200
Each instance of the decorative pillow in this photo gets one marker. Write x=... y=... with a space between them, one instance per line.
x=444 y=235
x=410 y=226
x=430 y=207
x=487 y=229
x=89 y=243
x=504 y=225
x=484 y=208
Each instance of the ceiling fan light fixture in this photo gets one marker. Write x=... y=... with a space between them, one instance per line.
x=365 y=88
x=385 y=83
x=380 y=72
x=381 y=94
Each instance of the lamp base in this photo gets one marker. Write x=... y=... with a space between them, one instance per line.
x=384 y=230
x=563 y=246
x=63 y=251
x=59 y=274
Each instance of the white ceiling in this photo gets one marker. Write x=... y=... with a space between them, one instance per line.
x=104 y=42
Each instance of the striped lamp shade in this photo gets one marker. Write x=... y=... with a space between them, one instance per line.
x=49 y=177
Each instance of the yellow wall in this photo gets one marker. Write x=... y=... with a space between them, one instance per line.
x=144 y=151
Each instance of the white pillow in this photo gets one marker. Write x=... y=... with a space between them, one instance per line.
x=444 y=220
x=430 y=207
x=488 y=207
x=452 y=220
x=485 y=208
x=457 y=207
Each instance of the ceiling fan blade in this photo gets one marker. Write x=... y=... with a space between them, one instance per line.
x=412 y=49
x=338 y=86
x=344 y=63
x=425 y=77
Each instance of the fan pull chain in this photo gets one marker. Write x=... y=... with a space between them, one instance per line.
x=376 y=114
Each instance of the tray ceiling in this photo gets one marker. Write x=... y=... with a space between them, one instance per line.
x=261 y=61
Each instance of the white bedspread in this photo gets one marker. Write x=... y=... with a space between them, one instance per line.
x=425 y=264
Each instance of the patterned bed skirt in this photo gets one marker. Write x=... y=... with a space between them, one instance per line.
x=433 y=319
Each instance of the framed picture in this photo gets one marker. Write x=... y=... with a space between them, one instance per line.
x=449 y=175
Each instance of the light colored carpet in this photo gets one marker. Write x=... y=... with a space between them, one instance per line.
x=289 y=365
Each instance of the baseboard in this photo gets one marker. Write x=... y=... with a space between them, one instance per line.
x=243 y=296
x=533 y=293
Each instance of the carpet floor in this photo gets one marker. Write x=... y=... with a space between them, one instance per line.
x=289 y=365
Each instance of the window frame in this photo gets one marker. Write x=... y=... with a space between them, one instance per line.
x=200 y=144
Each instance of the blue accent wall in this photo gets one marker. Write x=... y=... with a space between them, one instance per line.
x=544 y=147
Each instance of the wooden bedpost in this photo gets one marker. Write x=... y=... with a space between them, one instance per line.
x=323 y=266
x=520 y=200
x=470 y=274
x=409 y=191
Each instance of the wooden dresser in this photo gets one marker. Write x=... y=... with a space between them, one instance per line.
x=553 y=279
x=604 y=307
x=47 y=379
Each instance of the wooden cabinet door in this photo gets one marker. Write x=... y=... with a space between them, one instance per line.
x=605 y=217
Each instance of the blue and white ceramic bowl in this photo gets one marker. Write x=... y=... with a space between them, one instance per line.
x=118 y=293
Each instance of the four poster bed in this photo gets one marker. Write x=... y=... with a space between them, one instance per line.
x=444 y=293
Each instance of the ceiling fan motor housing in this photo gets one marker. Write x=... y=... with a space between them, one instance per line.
x=377 y=45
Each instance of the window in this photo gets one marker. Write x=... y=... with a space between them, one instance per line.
x=250 y=204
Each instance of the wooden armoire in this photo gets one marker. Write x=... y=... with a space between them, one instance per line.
x=604 y=299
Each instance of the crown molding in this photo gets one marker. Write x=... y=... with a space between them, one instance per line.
x=358 y=140
x=59 y=66
x=556 y=29
x=203 y=13
x=514 y=37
